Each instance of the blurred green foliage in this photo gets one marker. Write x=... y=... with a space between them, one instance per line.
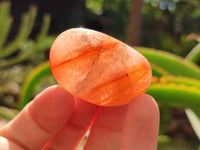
x=22 y=48
x=21 y=53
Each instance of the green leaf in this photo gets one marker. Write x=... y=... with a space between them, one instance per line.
x=24 y=31
x=173 y=95
x=194 y=54
x=5 y=32
x=194 y=121
x=158 y=71
x=44 y=29
x=176 y=80
x=173 y=64
x=4 y=14
x=31 y=81
x=5 y=22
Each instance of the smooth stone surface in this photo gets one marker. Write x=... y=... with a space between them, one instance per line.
x=98 y=68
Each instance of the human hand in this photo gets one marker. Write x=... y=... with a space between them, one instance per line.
x=55 y=120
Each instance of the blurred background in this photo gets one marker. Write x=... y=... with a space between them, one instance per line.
x=170 y=28
x=162 y=24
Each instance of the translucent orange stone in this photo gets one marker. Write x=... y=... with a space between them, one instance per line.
x=98 y=68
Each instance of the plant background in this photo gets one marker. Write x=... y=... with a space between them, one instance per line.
x=28 y=28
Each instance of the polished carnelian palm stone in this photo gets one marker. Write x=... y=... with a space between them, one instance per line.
x=98 y=68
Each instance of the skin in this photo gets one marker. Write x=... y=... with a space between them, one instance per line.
x=55 y=120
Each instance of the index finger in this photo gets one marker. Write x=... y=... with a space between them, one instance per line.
x=40 y=119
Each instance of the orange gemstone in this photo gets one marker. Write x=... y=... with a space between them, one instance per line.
x=98 y=68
